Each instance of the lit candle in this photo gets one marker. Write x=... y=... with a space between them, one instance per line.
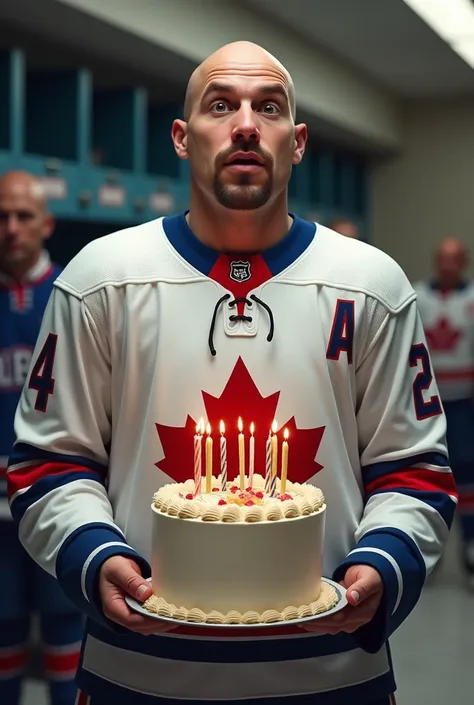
x=268 y=463
x=274 y=442
x=251 y=454
x=197 y=460
x=223 y=458
x=284 y=462
x=208 y=458
x=241 y=455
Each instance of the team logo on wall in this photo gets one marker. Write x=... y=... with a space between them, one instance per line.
x=240 y=271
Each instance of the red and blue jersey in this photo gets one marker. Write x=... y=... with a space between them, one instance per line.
x=22 y=305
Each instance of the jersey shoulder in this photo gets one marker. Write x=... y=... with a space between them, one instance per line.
x=352 y=265
x=139 y=254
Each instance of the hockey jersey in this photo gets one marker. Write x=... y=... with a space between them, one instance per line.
x=21 y=310
x=448 y=319
x=148 y=331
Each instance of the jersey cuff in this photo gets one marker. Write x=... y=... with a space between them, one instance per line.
x=78 y=566
x=396 y=558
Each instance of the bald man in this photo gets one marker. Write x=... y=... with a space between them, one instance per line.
x=345 y=227
x=447 y=308
x=26 y=281
x=233 y=309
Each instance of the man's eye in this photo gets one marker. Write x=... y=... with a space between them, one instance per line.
x=270 y=109
x=219 y=107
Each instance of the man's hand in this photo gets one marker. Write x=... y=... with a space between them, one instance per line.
x=120 y=576
x=364 y=590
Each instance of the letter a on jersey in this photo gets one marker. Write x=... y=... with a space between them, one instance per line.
x=342 y=333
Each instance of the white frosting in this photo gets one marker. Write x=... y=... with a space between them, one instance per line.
x=254 y=506
x=215 y=558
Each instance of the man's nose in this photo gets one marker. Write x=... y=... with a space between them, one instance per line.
x=246 y=127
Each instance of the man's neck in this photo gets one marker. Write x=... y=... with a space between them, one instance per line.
x=229 y=230
x=18 y=272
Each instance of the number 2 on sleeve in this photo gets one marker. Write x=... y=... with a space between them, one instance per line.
x=424 y=408
x=41 y=378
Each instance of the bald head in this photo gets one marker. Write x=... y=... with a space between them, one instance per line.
x=451 y=260
x=345 y=227
x=24 y=222
x=21 y=182
x=452 y=246
x=244 y=58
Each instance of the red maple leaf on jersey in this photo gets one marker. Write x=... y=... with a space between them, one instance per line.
x=442 y=337
x=240 y=397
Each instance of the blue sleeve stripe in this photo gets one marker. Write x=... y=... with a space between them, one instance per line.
x=23 y=452
x=410 y=574
x=390 y=531
x=372 y=472
x=22 y=502
x=439 y=501
x=74 y=573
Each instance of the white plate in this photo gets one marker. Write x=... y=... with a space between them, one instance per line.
x=342 y=602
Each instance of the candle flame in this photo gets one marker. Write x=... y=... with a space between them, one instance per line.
x=274 y=427
x=222 y=427
x=201 y=426
x=285 y=434
x=240 y=425
x=198 y=429
x=208 y=429
x=252 y=428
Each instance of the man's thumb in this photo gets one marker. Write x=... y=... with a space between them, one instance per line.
x=127 y=577
x=360 y=590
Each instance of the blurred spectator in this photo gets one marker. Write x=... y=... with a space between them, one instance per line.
x=26 y=280
x=446 y=306
x=345 y=227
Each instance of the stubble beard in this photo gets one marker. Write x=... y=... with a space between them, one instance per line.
x=243 y=196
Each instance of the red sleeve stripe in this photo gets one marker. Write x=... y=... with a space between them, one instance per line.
x=57 y=664
x=25 y=477
x=415 y=479
x=12 y=660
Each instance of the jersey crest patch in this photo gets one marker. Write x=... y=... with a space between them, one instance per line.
x=240 y=271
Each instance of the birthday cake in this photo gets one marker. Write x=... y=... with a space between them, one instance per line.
x=245 y=551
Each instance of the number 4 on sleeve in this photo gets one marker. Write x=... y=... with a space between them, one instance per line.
x=41 y=378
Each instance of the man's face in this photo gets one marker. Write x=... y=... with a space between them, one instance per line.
x=24 y=226
x=451 y=262
x=241 y=138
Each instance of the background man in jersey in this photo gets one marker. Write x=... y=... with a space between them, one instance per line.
x=345 y=227
x=233 y=309
x=26 y=281
x=447 y=309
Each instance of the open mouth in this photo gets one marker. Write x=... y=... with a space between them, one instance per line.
x=245 y=160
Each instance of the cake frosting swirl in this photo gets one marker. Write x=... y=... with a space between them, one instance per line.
x=251 y=505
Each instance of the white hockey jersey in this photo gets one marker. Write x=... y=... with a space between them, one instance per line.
x=448 y=320
x=148 y=331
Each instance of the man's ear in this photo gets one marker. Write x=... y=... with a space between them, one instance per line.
x=179 y=135
x=301 y=137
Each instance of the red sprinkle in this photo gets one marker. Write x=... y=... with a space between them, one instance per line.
x=259 y=495
x=234 y=489
x=190 y=495
x=250 y=503
x=215 y=489
x=221 y=502
x=286 y=496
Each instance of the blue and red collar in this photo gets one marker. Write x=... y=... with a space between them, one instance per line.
x=239 y=272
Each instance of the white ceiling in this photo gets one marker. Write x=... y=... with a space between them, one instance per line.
x=384 y=39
